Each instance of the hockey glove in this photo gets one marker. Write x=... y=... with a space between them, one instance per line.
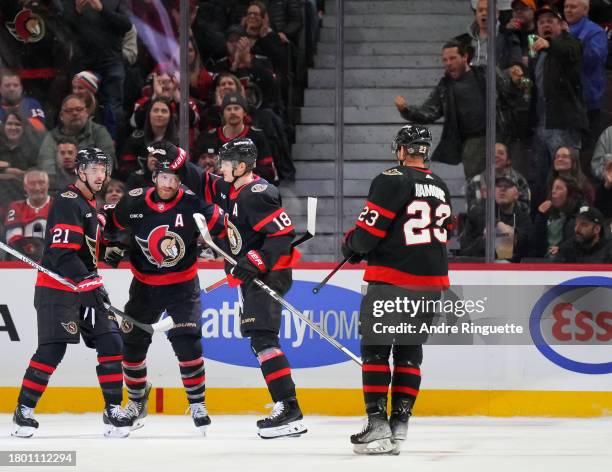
x=352 y=256
x=93 y=294
x=114 y=253
x=247 y=268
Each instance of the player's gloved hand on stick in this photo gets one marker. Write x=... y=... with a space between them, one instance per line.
x=247 y=268
x=93 y=294
x=352 y=256
x=114 y=253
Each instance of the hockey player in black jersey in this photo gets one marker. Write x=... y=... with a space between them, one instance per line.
x=71 y=250
x=402 y=234
x=163 y=252
x=259 y=235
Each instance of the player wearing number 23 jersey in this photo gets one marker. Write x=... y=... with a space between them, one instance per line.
x=402 y=232
x=403 y=229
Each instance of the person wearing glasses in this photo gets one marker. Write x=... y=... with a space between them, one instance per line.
x=73 y=123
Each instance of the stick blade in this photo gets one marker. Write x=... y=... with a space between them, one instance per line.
x=163 y=325
x=203 y=227
x=311 y=223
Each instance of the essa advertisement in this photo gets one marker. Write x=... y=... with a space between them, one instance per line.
x=572 y=322
x=335 y=309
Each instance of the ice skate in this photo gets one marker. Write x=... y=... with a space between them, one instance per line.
x=376 y=436
x=139 y=409
x=117 y=422
x=284 y=420
x=200 y=416
x=398 y=422
x=24 y=423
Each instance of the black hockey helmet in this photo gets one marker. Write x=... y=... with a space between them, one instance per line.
x=170 y=158
x=92 y=155
x=416 y=138
x=239 y=150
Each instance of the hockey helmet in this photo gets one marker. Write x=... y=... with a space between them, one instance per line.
x=170 y=158
x=416 y=138
x=239 y=150
x=92 y=155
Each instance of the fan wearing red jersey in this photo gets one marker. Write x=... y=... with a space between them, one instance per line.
x=26 y=220
x=402 y=233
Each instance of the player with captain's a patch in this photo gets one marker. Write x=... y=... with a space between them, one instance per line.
x=402 y=233
x=163 y=252
x=259 y=235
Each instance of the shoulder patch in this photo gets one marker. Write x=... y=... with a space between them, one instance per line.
x=69 y=194
x=135 y=192
x=189 y=192
x=258 y=188
x=392 y=172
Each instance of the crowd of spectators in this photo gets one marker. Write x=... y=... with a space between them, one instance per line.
x=553 y=158
x=106 y=73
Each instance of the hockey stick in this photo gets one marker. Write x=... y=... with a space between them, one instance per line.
x=323 y=282
x=163 y=325
x=201 y=222
x=309 y=234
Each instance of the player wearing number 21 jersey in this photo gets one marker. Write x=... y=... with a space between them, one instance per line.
x=402 y=232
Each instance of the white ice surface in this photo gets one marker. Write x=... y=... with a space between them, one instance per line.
x=454 y=444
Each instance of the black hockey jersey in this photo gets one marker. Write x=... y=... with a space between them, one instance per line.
x=255 y=218
x=163 y=234
x=72 y=239
x=403 y=229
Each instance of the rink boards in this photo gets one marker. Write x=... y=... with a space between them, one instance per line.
x=470 y=379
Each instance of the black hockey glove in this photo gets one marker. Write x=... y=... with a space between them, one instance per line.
x=247 y=268
x=352 y=256
x=93 y=294
x=114 y=253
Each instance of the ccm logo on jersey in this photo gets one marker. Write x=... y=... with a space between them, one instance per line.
x=136 y=215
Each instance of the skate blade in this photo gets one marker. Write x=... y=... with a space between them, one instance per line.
x=378 y=446
x=111 y=431
x=293 y=430
x=22 y=431
x=203 y=429
x=137 y=424
x=397 y=447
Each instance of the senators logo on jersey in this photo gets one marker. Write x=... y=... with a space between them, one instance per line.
x=27 y=26
x=162 y=248
x=234 y=238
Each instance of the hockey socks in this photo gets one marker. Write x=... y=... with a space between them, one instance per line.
x=194 y=378
x=376 y=376
x=42 y=365
x=110 y=378
x=277 y=373
x=405 y=384
x=135 y=376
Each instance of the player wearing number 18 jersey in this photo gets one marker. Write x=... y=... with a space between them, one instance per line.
x=259 y=235
x=402 y=232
